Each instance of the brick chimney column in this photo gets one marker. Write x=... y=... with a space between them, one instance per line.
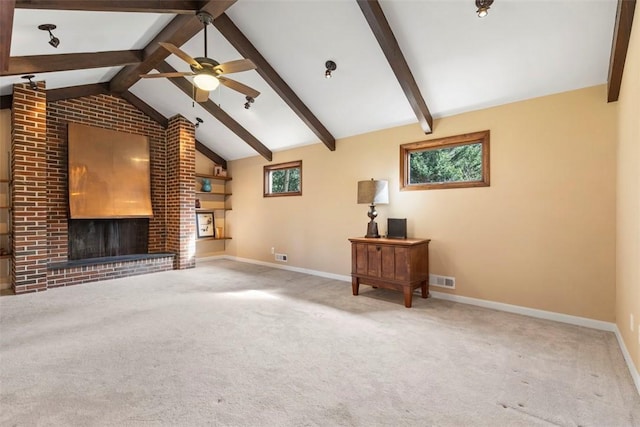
x=180 y=207
x=29 y=188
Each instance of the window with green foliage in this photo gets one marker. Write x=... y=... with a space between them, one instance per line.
x=284 y=179
x=453 y=162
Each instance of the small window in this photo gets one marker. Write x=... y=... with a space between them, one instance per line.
x=454 y=162
x=284 y=179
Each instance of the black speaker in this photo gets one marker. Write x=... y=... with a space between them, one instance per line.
x=397 y=228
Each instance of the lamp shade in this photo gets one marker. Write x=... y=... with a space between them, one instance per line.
x=373 y=192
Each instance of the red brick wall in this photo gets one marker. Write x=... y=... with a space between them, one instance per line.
x=40 y=199
x=29 y=190
x=181 y=169
x=107 y=112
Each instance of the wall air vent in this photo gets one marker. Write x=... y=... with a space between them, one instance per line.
x=442 y=281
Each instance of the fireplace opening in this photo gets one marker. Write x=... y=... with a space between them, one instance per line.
x=97 y=238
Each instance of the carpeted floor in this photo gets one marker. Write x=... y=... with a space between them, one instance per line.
x=235 y=344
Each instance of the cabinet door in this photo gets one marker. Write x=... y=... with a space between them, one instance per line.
x=360 y=258
x=402 y=263
x=387 y=262
x=373 y=260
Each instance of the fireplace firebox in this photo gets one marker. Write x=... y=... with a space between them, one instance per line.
x=97 y=238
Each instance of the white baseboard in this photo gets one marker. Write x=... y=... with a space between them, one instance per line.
x=526 y=311
x=290 y=268
x=627 y=357
x=516 y=309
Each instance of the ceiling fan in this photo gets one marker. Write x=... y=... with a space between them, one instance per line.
x=207 y=72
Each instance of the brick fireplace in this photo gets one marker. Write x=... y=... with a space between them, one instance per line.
x=40 y=217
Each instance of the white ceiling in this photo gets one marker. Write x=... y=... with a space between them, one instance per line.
x=522 y=49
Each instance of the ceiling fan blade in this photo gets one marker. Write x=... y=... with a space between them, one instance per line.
x=154 y=75
x=235 y=66
x=240 y=87
x=181 y=54
x=201 y=95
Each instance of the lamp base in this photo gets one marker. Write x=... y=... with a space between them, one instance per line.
x=372 y=230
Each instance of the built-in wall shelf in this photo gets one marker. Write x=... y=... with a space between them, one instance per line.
x=213 y=238
x=4 y=180
x=213 y=201
x=5 y=256
x=221 y=178
x=214 y=193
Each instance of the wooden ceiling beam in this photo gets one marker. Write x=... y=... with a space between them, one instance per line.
x=70 y=61
x=382 y=31
x=149 y=6
x=181 y=29
x=6 y=28
x=186 y=86
x=619 y=46
x=238 y=40
x=77 y=91
x=211 y=155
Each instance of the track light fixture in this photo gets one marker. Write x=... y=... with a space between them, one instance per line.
x=53 y=40
x=483 y=7
x=250 y=101
x=331 y=66
x=198 y=122
x=33 y=85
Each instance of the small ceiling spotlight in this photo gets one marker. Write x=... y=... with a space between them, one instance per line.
x=198 y=122
x=53 y=40
x=33 y=85
x=250 y=101
x=331 y=66
x=483 y=7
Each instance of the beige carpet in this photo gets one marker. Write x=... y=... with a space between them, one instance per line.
x=234 y=344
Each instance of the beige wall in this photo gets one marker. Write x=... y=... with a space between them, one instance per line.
x=541 y=236
x=628 y=219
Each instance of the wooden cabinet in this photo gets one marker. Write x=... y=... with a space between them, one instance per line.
x=400 y=264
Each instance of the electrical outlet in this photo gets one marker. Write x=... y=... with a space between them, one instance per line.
x=281 y=257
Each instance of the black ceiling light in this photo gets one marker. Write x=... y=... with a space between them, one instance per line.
x=198 y=121
x=483 y=7
x=331 y=66
x=53 y=40
x=33 y=85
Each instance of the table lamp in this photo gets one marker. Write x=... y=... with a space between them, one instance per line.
x=373 y=192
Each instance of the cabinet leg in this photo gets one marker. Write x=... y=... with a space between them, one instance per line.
x=425 y=289
x=408 y=293
x=355 y=285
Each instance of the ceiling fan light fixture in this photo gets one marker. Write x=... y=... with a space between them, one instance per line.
x=206 y=81
x=483 y=7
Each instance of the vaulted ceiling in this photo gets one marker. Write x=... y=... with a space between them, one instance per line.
x=398 y=62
